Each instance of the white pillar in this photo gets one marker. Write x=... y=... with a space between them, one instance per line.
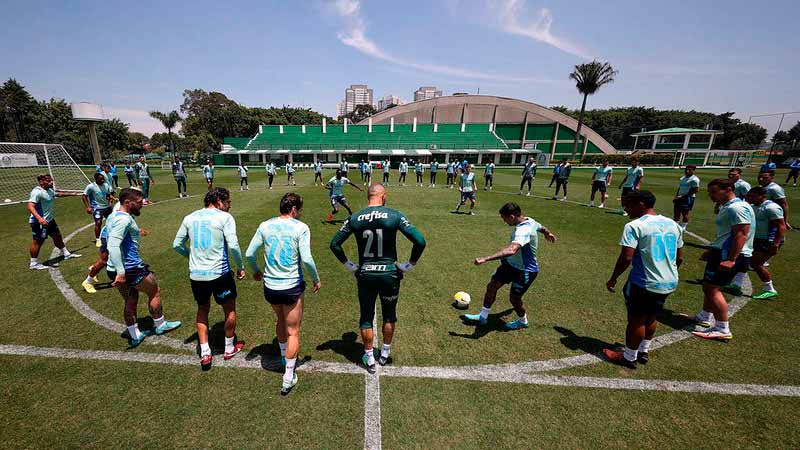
x=324 y=125
x=315 y=158
x=555 y=142
x=435 y=127
x=240 y=159
x=391 y=124
x=655 y=141
x=280 y=129
x=635 y=141
x=303 y=129
x=705 y=160
x=686 y=138
x=369 y=122
x=463 y=126
x=447 y=158
x=291 y=159
x=264 y=158
x=345 y=124
x=480 y=155
x=414 y=126
x=710 y=141
x=497 y=158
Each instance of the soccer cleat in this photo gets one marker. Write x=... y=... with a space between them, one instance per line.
x=97 y=243
x=472 y=213
x=476 y=318
x=287 y=387
x=205 y=362
x=732 y=289
x=618 y=358
x=563 y=199
x=133 y=343
x=643 y=357
x=370 y=367
x=88 y=287
x=330 y=217
x=714 y=334
x=766 y=295
x=697 y=321
x=166 y=327
x=591 y=204
x=383 y=360
x=602 y=205
x=37 y=266
x=237 y=347
x=517 y=325
x=528 y=194
x=72 y=255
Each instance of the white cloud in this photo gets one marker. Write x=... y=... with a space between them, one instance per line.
x=138 y=120
x=508 y=14
x=355 y=36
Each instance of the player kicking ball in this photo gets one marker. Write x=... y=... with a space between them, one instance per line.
x=130 y=275
x=654 y=245
x=211 y=233
x=287 y=244
x=335 y=186
x=518 y=265
x=377 y=273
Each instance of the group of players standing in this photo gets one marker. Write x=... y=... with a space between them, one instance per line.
x=751 y=224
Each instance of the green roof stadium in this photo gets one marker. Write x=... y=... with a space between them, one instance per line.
x=472 y=127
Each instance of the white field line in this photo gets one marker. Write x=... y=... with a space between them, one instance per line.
x=523 y=378
x=372 y=399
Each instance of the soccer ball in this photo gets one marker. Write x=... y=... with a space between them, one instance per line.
x=462 y=300
x=8 y=200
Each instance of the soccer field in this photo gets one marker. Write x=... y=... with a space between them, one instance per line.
x=69 y=381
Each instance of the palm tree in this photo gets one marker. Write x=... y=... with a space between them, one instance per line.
x=169 y=121
x=588 y=79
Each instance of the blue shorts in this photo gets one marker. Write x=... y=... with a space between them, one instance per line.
x=101 y=213
x=520 y=280
x=467 y=196
x=713 y=274
x=284 y=296
x=338 y=199
x=40 y=232
x=684 y=203
x=133 y=276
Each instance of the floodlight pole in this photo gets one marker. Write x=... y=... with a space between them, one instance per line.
x=93 y=141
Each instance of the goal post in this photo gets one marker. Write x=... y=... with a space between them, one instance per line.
x=21 y=163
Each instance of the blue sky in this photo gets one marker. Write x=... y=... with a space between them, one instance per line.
x=133 y=57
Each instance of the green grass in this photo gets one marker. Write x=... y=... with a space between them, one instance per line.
x=570 y=311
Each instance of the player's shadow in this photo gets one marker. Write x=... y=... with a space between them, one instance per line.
x=270 y=355
x=53 y=262
x=460 y=212
x=585 y=344
x=495 y=323
x=347 y=346
x=669 y=318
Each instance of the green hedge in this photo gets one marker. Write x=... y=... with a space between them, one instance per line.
x=648 y=159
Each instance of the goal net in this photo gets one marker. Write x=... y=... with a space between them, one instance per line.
x=20 y=164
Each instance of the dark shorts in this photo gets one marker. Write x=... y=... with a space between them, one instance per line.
x=210 y=180
x=713 y=274
x=640 y=301
x=133 y=276
x=467 y=196
x=626 y=191
x=284 y=296
x=370 y=287
x=338 y=199
x=40 y=233
x=103 y=246
x=520 y=280
x=223 y=289
x=599 y=186
x=763 y=245
x=684 y=203
x=101 y=213
x=488 y=176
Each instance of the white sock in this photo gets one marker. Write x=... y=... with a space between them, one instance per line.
x=229 y=344
x=684 y=225
x=387 y=348
x=133 y=330
x=34 y=261
x=705 y=315
x=370 y=357
x=769 y=287
x=65 y=252
x=288 y=374
x=630 y=354
x=205 y=349
x=722 y=326
x=485 y=312
x=644 y=346
x=158 y=322
x=739 y=278
x=524 y=318
x=88 y=279
x=282 y=345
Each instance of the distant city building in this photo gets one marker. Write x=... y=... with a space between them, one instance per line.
x=388 y=101
x=356 y=94
x=426 y=92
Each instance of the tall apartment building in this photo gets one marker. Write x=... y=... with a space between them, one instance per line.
x=356 y=94
x=426 y=92
x=389 y=100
